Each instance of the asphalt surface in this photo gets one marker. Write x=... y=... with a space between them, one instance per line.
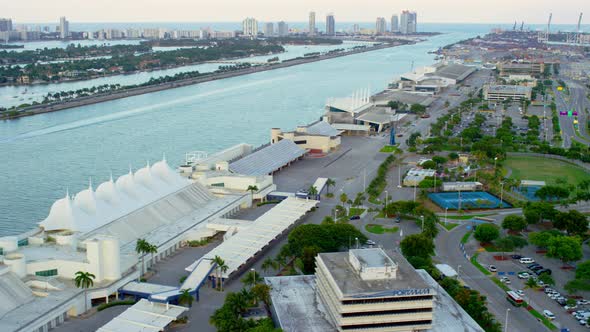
x=577 y=101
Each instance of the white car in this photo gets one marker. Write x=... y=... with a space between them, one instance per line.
x=548 y=314
x=524 y=275
x=520 y=292
x=505 y=280
x=526 y=260
x=582 y=302
x=371 y=242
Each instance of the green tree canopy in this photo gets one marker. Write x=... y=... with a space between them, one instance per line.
x=573 y=222
x=486 y=233
x=566 y=248
x=534 y=212
x=514 y=223
x=418 y=245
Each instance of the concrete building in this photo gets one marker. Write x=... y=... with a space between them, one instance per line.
x=394 y=24
x=5 y=24
x=417 y=175
x=311 y=24
x=269 y=29
x=250 y=27
x=64 y=28
x=432 y=79
x=408 y=22
x=380 y=26
x=462 y=186
x=330 y=25
x=316 y=137
x=504 y=92
x=534 y=69
x=356 y=29
x=283 y=29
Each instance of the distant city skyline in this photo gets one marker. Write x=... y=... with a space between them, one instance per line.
x=430 y=11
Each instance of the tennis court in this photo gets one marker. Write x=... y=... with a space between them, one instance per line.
x=529 y=192
x=467 y=200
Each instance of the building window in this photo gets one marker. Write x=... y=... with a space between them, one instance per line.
x=301 y=142
x=218 y=184
x=46 y=273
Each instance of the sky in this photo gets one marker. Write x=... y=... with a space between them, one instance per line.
x=439 y=11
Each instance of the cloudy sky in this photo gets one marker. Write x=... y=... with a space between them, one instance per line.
x=470 y=11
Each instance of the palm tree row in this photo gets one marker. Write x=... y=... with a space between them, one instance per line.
x=220 y=269
x=143 y=247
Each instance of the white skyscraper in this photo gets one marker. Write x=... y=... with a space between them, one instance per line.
x=269 y=29
x=408 y=22
x=64 y=28
x=311 y=27
x=380 y=26
x=250 y=27
x=330 y=25
x=394 y=23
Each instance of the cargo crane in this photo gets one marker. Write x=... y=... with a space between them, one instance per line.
x=522 y=26
x=579 y=30
x=548 y=28
x=514 y=27
x=543 y=36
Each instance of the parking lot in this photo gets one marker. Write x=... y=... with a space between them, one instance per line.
x=537 y=298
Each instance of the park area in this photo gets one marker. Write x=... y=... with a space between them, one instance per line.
x=551 y=171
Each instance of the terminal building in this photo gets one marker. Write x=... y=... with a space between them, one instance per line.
x=319 y=136
x=503 y=92
x=368 y=290
x=432 y=80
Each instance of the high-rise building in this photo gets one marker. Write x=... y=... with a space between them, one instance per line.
x=311 y=27
x=283 y=29
x=380 y=26
x=330 y=25
x=5 y=24
x=394 y=23
x=269 y=29
x=408 y=22
x=356 y=29
x=64 y=28
x=250 y=27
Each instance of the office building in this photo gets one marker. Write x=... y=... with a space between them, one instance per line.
x=504 y=92
x=64 y=28
x=5 y=24
x=394 y=23
x=330 y=25
x=283 y=29
x=250 y=27
x=408 y=22
x=380 y=26
x=311 y=27
x=356 y=29
x=269 y=29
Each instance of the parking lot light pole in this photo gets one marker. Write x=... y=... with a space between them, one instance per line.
x=506 y=322
x=386 y=194
x=422 y=223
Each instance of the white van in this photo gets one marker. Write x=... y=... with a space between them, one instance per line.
x=526 y=260
x=548 y=314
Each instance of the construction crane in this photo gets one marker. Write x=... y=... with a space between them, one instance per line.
x=521 y=25
x=514 y=27
x=580 y=23
x=548 y=28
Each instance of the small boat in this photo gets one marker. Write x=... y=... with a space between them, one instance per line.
x=24 y=92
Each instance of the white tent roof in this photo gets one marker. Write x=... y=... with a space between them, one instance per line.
x=91 y=209
x=236 y=250
x=144 y=316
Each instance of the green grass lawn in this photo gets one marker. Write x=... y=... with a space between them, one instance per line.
x=449 y=226
x=500 y=284
x=379 y=229
x=544 y=319
x=465 y=237
x=478 y=266
x=389 y=149
x=355 y=211
x=545 y=169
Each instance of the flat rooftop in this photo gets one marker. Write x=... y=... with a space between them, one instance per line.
x=372 y=257
x=295 y=306
x=509 y=89
x=351 y=284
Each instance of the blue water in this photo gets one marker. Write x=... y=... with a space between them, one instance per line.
x=44 y=155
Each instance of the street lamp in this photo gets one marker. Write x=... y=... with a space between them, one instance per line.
x=506 y=322
x=458 y=270
x=495 y=160
x=399 y=176
x=422 y=223
x=356 y=241
x=386 y=194
x=253 y=275
x=501 y=193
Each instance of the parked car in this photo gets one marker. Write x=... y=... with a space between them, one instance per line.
x=548 y=314
x=526 y=260
x=516 y=256
x=582 y=302
x=371 y=242
x=492 y=268
x=533 y=265
x=537 y=268
x=505 y=280
x=355 y=218
x=523 y=275
x=520 y=292
x=568 y=307
x=541 y=271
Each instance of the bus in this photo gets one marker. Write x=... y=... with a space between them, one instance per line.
x=514 y=298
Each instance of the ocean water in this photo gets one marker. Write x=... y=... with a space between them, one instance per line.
x=45 y=155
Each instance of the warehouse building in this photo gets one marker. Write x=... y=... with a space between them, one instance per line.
x=417 y=175
x=316 y=137
x=504 y=92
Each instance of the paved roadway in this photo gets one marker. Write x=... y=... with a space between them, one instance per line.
x=577 y=101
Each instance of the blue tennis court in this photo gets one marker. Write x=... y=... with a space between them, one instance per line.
x=467 y=200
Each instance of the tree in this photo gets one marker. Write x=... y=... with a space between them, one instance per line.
x=514 y=223
x=486 y=233
x=566 y=248
x=330 y=183
x=531 y=283
x=541 y=239
x=583 y=270
x=343 y=198
x=504 y=244
x=143 y=247
x=439 y=160
x=186 y=297
x=84 y=280
x=252 y=189
x=537 y=211
x=573 y=222
x=546 y=279
x=429 y=164
x=220 y=268
x=417 y=245
x=261 y=292
x=268 y=264
x=453 y=156
x=308 y=259
x=313 y=192
x=251 y=278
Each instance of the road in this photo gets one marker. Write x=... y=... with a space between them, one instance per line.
x=576 y=101
x=449 y=252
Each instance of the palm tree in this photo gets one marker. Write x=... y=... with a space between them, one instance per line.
x=330 y=183
x=143 y=247
x=152 y=249
x=251 y=279
x=186 y=298
x=252 y=189
x=219 y=270
x=313 y=192
x=84 y=280
x=261 y=292
x=343 y=198
x=268 y=264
